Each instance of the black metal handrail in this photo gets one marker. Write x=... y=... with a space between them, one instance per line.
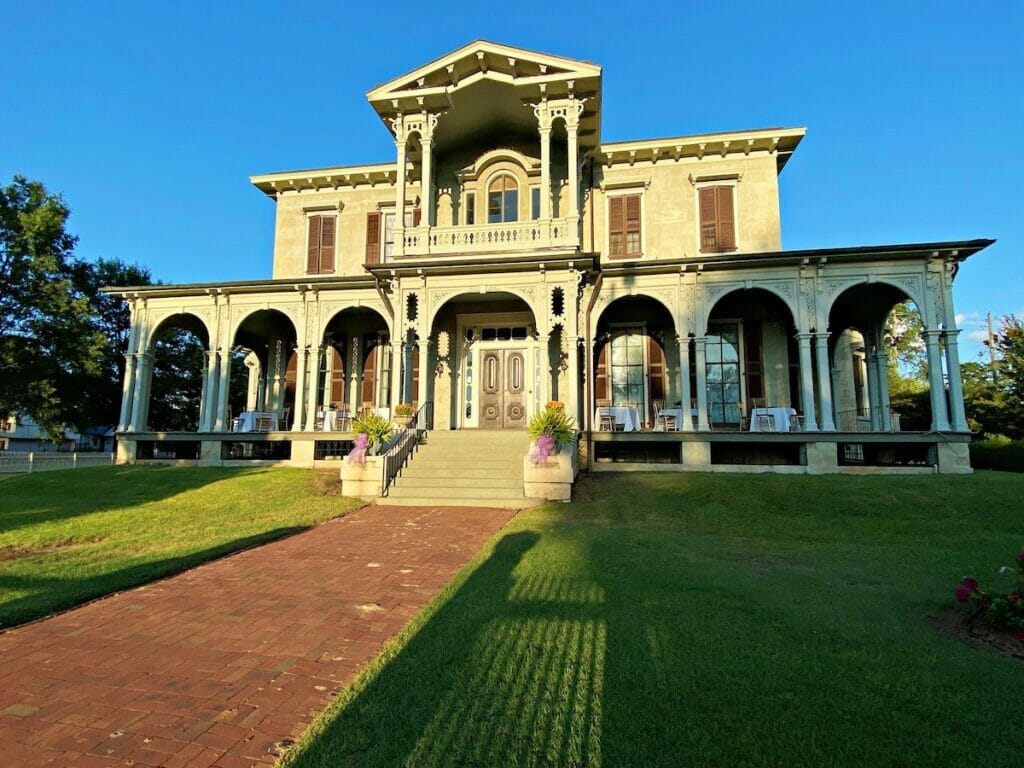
x=405 y=446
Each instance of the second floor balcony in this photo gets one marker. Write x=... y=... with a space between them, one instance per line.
x=500 y=238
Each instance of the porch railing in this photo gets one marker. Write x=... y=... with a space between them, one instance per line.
x=487 y=238
x=868 y=420
x=408 y=441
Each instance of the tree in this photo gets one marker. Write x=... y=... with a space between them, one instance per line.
x=47 y=341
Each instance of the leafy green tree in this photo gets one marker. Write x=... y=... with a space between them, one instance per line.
x=47 y=341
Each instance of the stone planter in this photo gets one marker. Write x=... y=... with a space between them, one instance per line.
x=365 y=482
x=403 y=421
x=553 y=480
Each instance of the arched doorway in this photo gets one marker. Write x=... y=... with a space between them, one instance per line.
x=262 y=352
x=486 y=366
x=353 y=368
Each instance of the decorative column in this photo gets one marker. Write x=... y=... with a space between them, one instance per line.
x=685 y=397
x=882 y=367
x=807 y=380
x=544 y=128
x=427 y=176
x=354 y=394
x=399 y=225
x=300 y=388
x=940 y=416
x=572 y=126
x=407 y=352
x=956 y=388
x=396 y=373
x=143 y=369
x=209 y=396
x=127 y=392
x=312 y=393
x=572 y=378
x=824 y=382
x=874 y=396
x=252 y=392
x=700 y=345
x=426 y=374
x=328 y=373
x=220 y=422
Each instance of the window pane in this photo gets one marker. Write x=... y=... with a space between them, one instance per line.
x=633 y=243
x=511 y=205
x=494 y=207
x=470 y=208
x=636 y=355
x=619 y=354
x=535 y=202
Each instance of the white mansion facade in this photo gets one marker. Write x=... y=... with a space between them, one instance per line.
x=509 y=257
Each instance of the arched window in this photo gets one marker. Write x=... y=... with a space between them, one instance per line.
x=502 y=200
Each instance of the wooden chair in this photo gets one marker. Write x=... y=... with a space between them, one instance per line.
x=605 y=420
x=765 y=422
x=744 y=417
x=344 y=420
x=318 y=423
x=757 y=402
x=236 y=424
x=286 y=418
x=664 y=422
x=262 y=424
x=796 y=422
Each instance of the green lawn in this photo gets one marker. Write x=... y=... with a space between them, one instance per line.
x=704 y=620
x=67 y=537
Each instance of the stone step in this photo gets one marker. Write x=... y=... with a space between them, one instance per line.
x=456 y=460
x=456 y=491
x=406 y=480
x=447 y=473
x=482 y=501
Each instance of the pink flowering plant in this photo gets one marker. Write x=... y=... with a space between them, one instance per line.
x=1002 y=606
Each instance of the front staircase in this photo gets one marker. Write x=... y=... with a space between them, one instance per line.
x=465 y=468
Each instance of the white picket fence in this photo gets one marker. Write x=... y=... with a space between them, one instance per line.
x=41 y=461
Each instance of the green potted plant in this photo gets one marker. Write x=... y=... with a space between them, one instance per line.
x=377 y=429
x=362 y=471
x=550 y=468
x=403 y=414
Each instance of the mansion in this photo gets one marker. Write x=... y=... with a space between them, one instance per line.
x=508 y=257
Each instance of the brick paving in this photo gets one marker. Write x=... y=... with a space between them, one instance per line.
x=222 y=665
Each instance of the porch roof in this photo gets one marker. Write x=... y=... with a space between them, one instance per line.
x=957 y=250
x=241 y=286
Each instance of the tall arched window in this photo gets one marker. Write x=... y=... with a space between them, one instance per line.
x=502 y=200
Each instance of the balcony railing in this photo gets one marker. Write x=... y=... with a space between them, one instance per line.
x=868 y=420
x=492 y=238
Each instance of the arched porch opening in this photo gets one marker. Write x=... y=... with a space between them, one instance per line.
x=176 y=384
x=751 y=359
x=352 y=370
x=255 y=370
x=486 y=365
x=636 y=361
x=863 y=331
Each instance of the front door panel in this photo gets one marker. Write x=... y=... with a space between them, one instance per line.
x=502 y=389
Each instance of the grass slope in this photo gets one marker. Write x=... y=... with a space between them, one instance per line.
x=704 y=620
x=67 y=537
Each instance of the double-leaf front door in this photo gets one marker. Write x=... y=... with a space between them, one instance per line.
x=503 y=389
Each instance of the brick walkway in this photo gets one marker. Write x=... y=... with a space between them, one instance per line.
x=218 y=665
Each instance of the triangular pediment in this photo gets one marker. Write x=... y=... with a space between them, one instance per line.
x=483 y=59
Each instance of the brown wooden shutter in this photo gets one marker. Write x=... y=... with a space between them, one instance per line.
x=726 y=219
x=753 y=364
x=373 y=221
x=369 y=393
x=416 y=213
x=616 y=228
x=631 y=224
x=708 y=220
x=656 y=371
x=338 y=376
x=313 y=246
x=601 y=388
x=328 y=227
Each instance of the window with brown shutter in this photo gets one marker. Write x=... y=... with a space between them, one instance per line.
x=373 y=237
x=320 y=246
x=717 y=219
x=624 y=239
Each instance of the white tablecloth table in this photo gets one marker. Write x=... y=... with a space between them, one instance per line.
x=247 y=420
x=332 y=419
x=626 y=415
x=781 y=417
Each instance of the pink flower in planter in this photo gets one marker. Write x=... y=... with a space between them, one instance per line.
x=962 y=593
x=358 y=453
x=545 y=447
x=970 y=584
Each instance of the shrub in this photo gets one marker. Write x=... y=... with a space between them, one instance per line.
x=1002 y=608
x=998 y=453
x=376 y=428
x=553 y=422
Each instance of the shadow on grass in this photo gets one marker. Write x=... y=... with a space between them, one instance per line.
x=60 y=495
x=48 y=595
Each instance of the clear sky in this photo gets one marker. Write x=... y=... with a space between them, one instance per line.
x=150 y=117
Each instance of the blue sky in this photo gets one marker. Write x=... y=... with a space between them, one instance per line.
x=149 y=118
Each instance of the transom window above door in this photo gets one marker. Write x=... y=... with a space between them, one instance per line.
x=502 y=200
